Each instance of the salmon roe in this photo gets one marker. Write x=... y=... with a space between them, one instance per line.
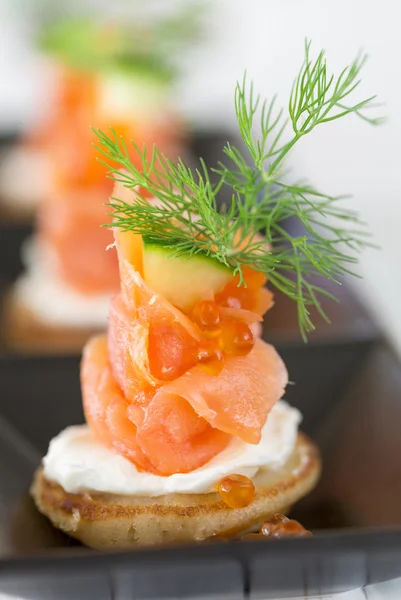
x=235 y=295
x=236 y=338
x=219 y=336
x=233 y=302
x=210 y=358
x=279 y=526
x=206 y=315
x=237 y=491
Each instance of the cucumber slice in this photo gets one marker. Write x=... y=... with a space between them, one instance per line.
x=122 y=93
x=183 y=281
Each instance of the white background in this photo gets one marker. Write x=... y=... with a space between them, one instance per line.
x=266 y=38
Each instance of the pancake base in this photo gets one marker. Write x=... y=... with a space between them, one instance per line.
x=102 y=520
x=22 y=331
x=12 y=212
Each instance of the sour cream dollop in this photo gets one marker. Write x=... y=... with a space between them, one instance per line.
x=79 y=463
x=50 y=300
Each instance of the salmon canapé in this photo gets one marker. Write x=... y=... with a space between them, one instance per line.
x=70 y=226
x=72 y=214
x=81 y=103
x=166 y=389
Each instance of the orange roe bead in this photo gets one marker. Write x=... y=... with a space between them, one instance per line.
x=268 y=529
x=210 y=358
x=281 y=526
x=206 y=315
x=292 y=529
x=277 y=519
x=237 y=491
x=236 y=338
x=233 y=302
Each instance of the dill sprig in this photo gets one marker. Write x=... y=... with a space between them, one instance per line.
x=187 y=219
x=148 y=44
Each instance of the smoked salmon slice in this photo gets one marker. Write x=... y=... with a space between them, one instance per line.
x=71 y=218
x=146 y=396
x=70 y=226
x=105 y=406
x=179 y=440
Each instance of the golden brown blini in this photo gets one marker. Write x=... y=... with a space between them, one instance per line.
x=10 y=212
x=112 y=521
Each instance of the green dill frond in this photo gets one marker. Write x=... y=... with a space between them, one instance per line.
x=187 y=218
x=147 y=45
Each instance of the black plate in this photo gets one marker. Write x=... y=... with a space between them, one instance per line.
x=348 y=386
x=12 y=236
x=348 y=390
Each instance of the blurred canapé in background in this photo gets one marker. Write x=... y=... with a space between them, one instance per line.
x=266 y=39
x=102 y=71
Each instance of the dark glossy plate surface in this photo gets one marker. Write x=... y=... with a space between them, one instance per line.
x=347 y=383
x=349 y=392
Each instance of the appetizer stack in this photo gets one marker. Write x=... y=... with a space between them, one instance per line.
x=108 y=75
x=187 y=437
x=179 y=398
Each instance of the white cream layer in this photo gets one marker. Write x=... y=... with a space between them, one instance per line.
x=52 y=301
x=24 y=178
x=79 y=463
